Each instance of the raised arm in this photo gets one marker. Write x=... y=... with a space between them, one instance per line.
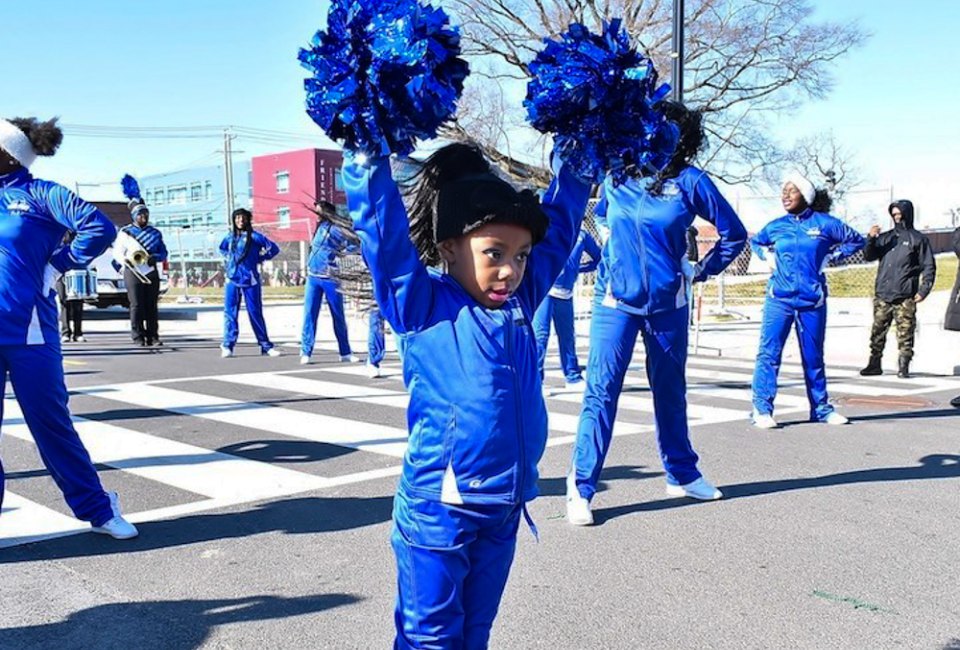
x=710 y=204
x=401 y=284
x=564 y=203
x=94 y=231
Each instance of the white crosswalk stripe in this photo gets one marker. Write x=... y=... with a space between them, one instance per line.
x=718 y=392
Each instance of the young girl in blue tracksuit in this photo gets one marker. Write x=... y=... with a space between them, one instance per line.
x=243 y=251
x=329 y=242
x=558 y=306
x=34 y=217
x=798 y=246
x=477 y=420
x=641 y=289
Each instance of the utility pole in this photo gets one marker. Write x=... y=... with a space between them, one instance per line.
x=228 y=170
x=676 y=52
x=183 y=266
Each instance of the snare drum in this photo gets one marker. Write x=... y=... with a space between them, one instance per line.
x=80 y=284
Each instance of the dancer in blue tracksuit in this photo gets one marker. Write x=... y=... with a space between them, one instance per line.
x=798 y=246
x=329 y=242
x=641 y=288
x=243 y=251
x=477 y=420
x=34 y=217
x=558 y=306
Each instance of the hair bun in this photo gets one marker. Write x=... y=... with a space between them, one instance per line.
x=45 y=137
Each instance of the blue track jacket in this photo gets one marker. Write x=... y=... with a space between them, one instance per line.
x=34 y=216
x=477 y=421
x=641 y=271
x=802 y=245
x=242 y=261
x=328 y=242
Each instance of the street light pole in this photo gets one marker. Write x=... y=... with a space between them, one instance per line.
x=183 y=264
x=676 y=53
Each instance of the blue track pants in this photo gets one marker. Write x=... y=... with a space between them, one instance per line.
x=253 y=297
x=560 y=311
x=36 y=375
x=811 y=326
x=452 y=567
x=316 y=289
x=613 y=335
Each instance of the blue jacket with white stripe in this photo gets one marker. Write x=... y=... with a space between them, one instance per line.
x=328 y=242
x=574 y=266
x=802 y=245
x=243 y=258
x=477 y=420
x=642 y=271
x=34 y=216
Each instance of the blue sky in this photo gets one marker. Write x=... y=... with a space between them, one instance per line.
x=213 y=62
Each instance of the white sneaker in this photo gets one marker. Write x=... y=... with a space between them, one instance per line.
x=373 y=371
x=118 y=527
x=65 y=338
x=349 y=358
x=272 y=352
x=578 y=508
x=763 y=420
x=225 y=352
x=81 y=339
x=575 y=386
x=700 y=489
x=836 y=419
x=304 y=359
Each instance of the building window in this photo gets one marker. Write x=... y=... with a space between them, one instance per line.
x=158 y=197
x=177 y=194
x=283 y=217
x=283 y=182
x=196 y=192
x=338 y=180
x=208 y=191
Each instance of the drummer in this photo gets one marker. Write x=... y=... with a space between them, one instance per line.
x=71 y=305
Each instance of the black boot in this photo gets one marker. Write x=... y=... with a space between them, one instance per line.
x=873 y=368
x=904 y=372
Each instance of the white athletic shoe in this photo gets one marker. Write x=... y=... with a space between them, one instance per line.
x=304 y=359
x=225 y=352
x=578 y=508
x=118 y=527
x=81 y=339
x=763 y=420
x=349 y=358
x=836 y=419
x=272 y=352
x=65 y=338
x=700 y=489
x=373 y=371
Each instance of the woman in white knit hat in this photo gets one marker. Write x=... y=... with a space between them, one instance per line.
x=798 y=246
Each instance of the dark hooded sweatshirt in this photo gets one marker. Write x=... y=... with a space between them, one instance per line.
x=907 y=267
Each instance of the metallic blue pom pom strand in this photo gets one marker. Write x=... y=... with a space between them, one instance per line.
x=131 y=189
x=384 y=74
x=597 y=95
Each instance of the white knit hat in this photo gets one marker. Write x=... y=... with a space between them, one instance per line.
x=16 y=143
x=800 y=181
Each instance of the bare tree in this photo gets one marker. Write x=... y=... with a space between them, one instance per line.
x=825 y=161
x=745 y=60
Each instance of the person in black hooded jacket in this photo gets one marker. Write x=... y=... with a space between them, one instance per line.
x=905 y=277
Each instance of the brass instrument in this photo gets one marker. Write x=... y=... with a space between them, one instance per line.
x=132 y=255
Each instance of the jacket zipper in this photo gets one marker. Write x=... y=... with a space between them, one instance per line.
x=521 y=469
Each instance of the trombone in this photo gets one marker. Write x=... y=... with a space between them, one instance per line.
x=130 y=254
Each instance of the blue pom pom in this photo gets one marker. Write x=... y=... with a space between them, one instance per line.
x=597 y=94
x=131 y=189
x=385 y=73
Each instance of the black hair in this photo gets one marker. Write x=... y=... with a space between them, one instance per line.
x=45 y=137
x=475 y=196
x=822 y=201
x=692 y=140
x=247 y=227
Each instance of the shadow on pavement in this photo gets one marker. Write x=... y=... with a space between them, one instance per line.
x=557 y=487
x=305 y=515
x=935 y=466
x=908 y=415
x=161 y=625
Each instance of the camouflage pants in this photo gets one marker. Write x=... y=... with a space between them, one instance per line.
x=905 y=314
